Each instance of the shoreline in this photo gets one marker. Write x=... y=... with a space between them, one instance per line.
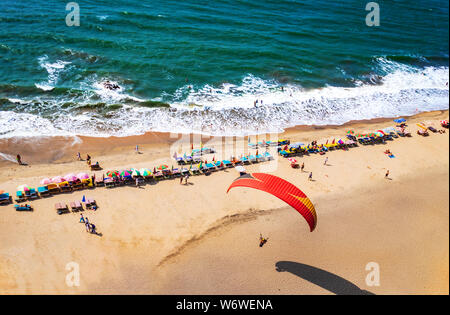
x=64 y=149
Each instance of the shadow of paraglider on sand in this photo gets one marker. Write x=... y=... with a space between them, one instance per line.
x=321 y=278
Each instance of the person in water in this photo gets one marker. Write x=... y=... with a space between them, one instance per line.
x=262 y=240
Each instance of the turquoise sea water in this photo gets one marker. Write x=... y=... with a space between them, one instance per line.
x=199 y=66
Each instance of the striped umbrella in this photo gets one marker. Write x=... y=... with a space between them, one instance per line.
x=125 y=173
x=163 y=167
x=112 y=173
x=350 y=132
x=135 y=173
x=292 y=160
x=145 y=172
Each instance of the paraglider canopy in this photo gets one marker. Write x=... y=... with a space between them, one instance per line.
x=281 y=189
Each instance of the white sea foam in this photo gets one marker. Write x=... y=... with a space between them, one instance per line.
x=230 y=110
x=53 y=69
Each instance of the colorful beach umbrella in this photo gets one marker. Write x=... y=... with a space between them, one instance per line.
x=46 y=181
x=82 y=176
x=23 y=188
x=70 y=177
x=163 y=167
x=292 y=160
x=382 y=132
x=112 y=173
x=135 y=173
x=145 y=172
x=124 y=173
x=350 y=132
x=58 y=179
x=400 y=120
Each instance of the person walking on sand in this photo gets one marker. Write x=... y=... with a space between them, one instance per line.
x=303 y=166
x=326 y=160
x=82 y=218
x=310 y=176
x=93 y=231
x=86 y=223
x=262 y=240
x=137 y=148
x=387 y=174
x=19 y=159
x=181 y=180
x=79 y=156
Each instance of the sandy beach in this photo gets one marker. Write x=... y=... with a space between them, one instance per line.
x=167 y=238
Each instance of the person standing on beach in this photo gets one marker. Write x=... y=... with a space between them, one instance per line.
x=137 y=148
x=310 y=176
x=303 y=166
x=87 y=225
x=19 y=159
x=181 y=180
x=82 y=218
x=186 y=179
x=326 y=160
x=79 y=156
x=387 y=174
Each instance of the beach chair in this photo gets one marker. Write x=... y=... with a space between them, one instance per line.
x=189 y=159
x=196 y=159
x=87 y=183
x=423 y=133
x=61 y=208
x=194 y=170
x=268 y=156
x=252 y=159
x=20 y=197
x=99 y=182
x=245 y=160
x=109 y=183
x=227 y=164
x=31 y=194
x=76 y=206
x=252 y=146
x=43 y=191
x=219 y=165
x=23 y=208
x=65 y=186
x=53 y=188
x=180 y=161
x=5 y=199
x=158 y=175
x=283 y=142
x=184 y=171
x=91 y=204
x=211 y=167
x=260 y=158
x=176 y=172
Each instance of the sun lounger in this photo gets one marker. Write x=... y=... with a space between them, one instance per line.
x=180 y=161
x=20 y=197
x=87 y=183
x=245 y=160
x=176 y=172
x=196 y=159
x=423 y=133
x=159 y=175
x=432 y=129
x=211 y=167
x=283 y=142
x=268 y=156
x=109 y=183
x=5 y=199
x=227 y=164
x=53 y=188
x=188 y=159
x=23 y=208
x=184 y=171
x=61 y=208
x=99 y=182
x=194 y=170
x=76 y=206
x=252 y=146
x=31 y=194
x=252 y=159
x=219 y=165
x=65 y=186
x=90 y=204
x=43 y=191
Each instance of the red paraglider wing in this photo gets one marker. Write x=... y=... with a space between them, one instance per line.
x=281 y=189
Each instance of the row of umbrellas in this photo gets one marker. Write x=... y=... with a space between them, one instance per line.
x=67 y=178
x=135 y=172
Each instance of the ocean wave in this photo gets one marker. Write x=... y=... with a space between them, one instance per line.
x=229 y=109
x=53 y=70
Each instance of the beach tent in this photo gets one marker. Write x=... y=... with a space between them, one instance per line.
x=400 y=120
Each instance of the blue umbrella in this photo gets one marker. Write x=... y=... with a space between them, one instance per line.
x=400 y=120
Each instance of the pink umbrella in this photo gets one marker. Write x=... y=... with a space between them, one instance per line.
x=70 y=177
x=83 y=176
x=46 y=181
x=58 y=179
